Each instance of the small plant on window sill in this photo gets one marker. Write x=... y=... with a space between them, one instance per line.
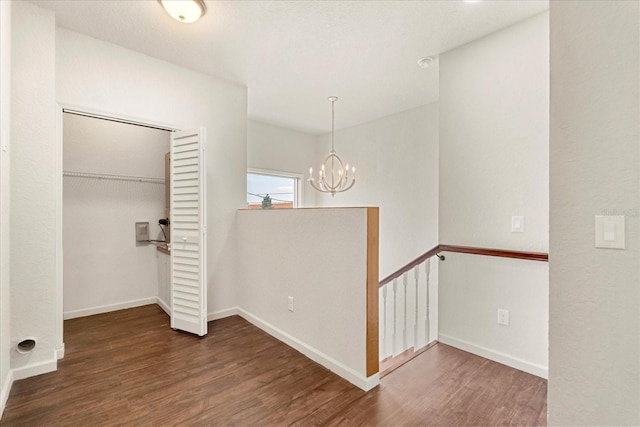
x=266 y=202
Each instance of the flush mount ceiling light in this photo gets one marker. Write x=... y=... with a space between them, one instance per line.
x=185 y=11
x=425 y=62
x=336 y=179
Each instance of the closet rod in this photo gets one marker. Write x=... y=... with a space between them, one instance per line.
x=113 y=177
x=115 y=119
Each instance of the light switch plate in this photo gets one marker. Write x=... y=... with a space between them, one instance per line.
x=517 y=224
x=610 y=231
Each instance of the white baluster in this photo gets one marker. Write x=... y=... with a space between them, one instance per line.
x=395 y=305
x=405 y=282
x=416 y=273
x=427 y=326
x=384 y=322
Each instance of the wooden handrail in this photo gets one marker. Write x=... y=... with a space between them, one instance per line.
x=422 y=258
x=534 y=256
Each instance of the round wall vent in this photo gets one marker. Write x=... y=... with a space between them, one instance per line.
x=26 y=345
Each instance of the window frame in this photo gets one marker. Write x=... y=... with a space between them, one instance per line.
x=298 y=188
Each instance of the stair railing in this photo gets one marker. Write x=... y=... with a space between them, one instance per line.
x=398 y=314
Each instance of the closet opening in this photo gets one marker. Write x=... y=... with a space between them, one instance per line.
x=115 y=200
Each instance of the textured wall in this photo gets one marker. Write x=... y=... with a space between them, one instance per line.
x=274 y=148
x=5 y=134
x=494 y=115
x=594 y=349
x=474 y=288
x=494 y=139
x=33 y=183
x=103 y=265
x=328 y=283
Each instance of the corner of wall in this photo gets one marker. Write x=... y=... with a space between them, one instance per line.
x=32 y=191
x=6 y=379
x=7 y=383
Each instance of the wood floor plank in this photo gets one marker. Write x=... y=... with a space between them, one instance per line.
x=129 y=368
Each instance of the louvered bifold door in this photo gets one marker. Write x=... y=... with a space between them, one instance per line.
x=188 y=232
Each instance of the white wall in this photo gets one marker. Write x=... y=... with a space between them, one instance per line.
x=5 y=133
x=396 y=160
x=33 y=187
x=494 y=139
x=104 y=268
x=112 y=148
x=494 y=120
x=594 y=354
x=96 y=75
x=275 y=148
x=482 y=285
x=328 y=283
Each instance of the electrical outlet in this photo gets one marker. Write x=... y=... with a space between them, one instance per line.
x=503 y=317
x=142 y=231
x=290 y=303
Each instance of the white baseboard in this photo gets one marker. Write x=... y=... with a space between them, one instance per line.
x=317 y=356
x=221 y=314
x=109 y=307
x=60 y=352
x=34 y=369
x=163 y=305
x=6 y=389
x=496 y=356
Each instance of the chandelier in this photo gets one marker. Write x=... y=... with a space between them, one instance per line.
x=330 y=179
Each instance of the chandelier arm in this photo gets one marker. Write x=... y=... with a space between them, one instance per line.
x=351 y=185
x=341 y=172
x=319 y=187
x=346 y=178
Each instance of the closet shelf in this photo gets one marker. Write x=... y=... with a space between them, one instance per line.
x=113 y=177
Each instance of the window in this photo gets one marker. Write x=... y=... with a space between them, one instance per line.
x=272 y=190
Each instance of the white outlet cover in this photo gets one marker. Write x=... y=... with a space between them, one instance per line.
x=503 y=317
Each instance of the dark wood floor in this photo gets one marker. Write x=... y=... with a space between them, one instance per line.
x=130 y=368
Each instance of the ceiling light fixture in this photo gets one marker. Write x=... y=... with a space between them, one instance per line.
x=338 y=180
x=185 y=11
x=425 y=62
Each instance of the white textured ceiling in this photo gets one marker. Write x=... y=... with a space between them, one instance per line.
x=293 y=54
